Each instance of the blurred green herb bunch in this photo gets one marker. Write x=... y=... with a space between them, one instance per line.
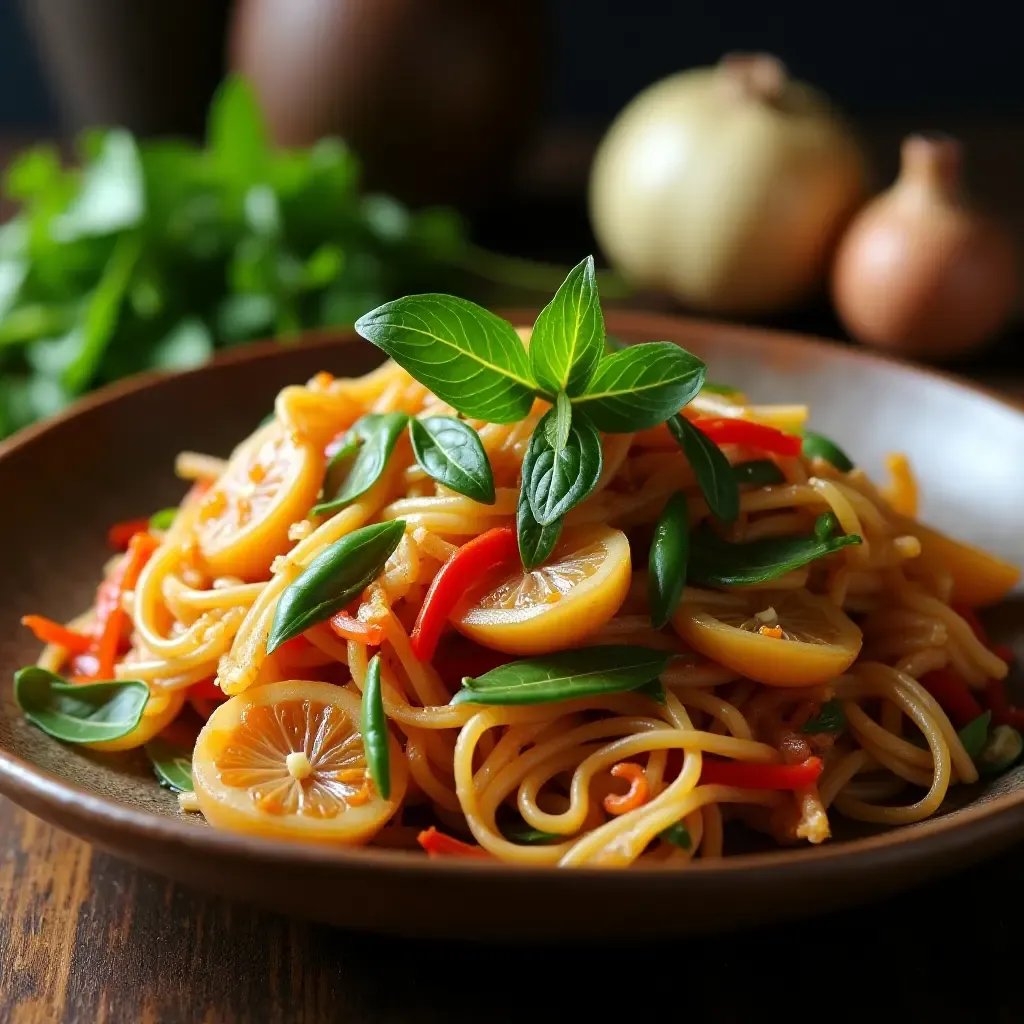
x=153 y=254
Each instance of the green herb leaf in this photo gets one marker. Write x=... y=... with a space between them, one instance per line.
x=164 y=519
x=760 y=472
x=714 y=474
x=677 y=834
x=717 y=563
x=376 y=434
x=669 y=553
x=338 y=574
x=451 y=452
x=582 y=672
x=237 y=132
x=536 y=542
x=819 y=446
x=557 y=480
x=86 y=713
x=568 y=336
x=641 y=386
x=172 y=765
x=558 y=428
x=468 y=357
x=374 y=727
x=1001 y=752
x=974 y=735
x=516 y=830
x=831 y=718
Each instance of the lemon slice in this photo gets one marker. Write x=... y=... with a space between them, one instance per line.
x=161 y=709
x=556 y=605
x=781 y=637
x=286 y=760
x=271 y=482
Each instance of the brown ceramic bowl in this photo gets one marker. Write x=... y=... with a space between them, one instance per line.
x=111 y=458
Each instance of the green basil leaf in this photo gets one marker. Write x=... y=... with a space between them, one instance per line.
x=237 y=134
x=819 y=446
x=582 y=672
x=516 y=830
x=555 y=481
x=374 y=727
x=451 y=452
x=677 y=834
x=974 y=735
x=719 y=389
x=759 y=471
x=717 y=563
x=468 y=357
x=568 y=337
x=339 y=573
x=655 y=689
x=378 y=433
x=172 y=765
x=536 y=542
x=641 y=386
x=558 y=428
x=1001 y=752
x=714 y=474
x=163 y=520
x=669 y=553
x=86 y=713
x=831 y=718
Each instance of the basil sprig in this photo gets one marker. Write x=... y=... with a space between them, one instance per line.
x=561 y=467
x=830 y=718
x=758 y=472
x=451 y=451
x=372 y=438
x=79 y=713
x=374 y=727
x=819 y=446
x=714 y=474
x=338 y=574
x=669 y=553
x=172 y=765
x=717 y=563
x=568 y=337
x=581 y=672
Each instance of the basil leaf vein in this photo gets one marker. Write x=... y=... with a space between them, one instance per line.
x=555 y=480
x=718 y=563
x=582 y=672
x=467 y=356
x=451 y=452
x=374 y=726
x=714 y=474
x=337 y=575
x=667 y=561
x=372 y=439
x=86 y=713
x=641 y=386
x=568 y=337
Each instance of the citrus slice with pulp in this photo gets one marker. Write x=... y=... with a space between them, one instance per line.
x=780 y=637
x=286 y=760
x=556 y=605
x=271 y=482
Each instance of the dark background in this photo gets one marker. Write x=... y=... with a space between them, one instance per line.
x=873 y=57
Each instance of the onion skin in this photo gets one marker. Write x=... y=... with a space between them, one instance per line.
x=918 y=271
x=727 y=187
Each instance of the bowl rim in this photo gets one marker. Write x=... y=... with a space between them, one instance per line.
x=30 y=786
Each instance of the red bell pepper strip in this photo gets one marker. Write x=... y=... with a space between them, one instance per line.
x=437 y=844
x=744 y=775
x=953 y=695
x=120 y=534
x=350 y=628
x=110 y=616
x=50 y=632
x=724 y=430
x=453 y=579
x=207 y=689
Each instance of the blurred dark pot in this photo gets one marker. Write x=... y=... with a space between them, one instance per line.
x=149 y=65
x=437 y=96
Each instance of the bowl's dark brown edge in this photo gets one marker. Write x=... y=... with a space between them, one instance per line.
x=92 y=815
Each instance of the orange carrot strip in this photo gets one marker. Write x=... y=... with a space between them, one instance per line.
x=437 y=844
x=350 y=628
x=50 y=632
x=637 y=794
